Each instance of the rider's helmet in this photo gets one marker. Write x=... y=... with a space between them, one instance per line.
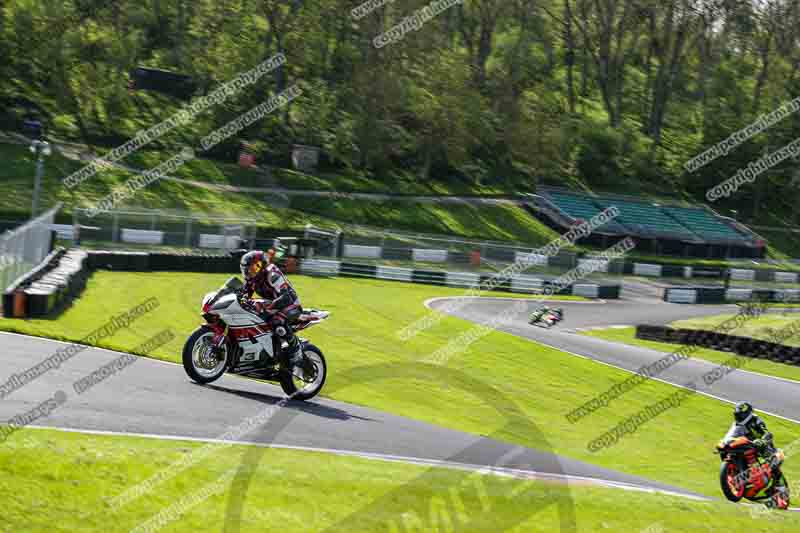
x=559 y=311
x=275 y=253
x=254 y=265
x=742 y=412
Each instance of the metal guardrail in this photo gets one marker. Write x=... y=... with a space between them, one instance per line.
x=24 y=247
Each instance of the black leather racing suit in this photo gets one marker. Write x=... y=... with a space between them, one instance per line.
x=284 y=308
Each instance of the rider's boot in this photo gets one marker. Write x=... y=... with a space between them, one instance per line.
x=293 y=353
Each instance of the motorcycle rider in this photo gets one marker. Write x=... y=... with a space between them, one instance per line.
x=538 y=314
x=282 y=306
x=542 y=312
x=756 y=431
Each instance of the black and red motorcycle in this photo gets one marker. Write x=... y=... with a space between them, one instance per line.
x=744 y=473
x=236 y=340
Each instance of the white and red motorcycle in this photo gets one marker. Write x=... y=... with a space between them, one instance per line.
x=238 y=341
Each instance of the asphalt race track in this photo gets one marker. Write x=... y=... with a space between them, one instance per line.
x=773 y=395
x=156 y=399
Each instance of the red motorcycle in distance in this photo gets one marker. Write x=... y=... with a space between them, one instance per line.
x=743 y=473
x=237 y=341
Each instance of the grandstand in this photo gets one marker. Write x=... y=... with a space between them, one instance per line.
x=669 y=228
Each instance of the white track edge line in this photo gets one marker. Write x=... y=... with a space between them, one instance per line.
x=481 y=469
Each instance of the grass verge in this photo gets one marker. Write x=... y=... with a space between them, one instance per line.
x=67 y=481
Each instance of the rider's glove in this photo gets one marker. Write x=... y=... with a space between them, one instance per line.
x=760 y=444
x=263 y=309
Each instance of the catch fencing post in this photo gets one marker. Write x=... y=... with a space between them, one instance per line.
x=253 y=234
x=188 y=235
x=115 y=227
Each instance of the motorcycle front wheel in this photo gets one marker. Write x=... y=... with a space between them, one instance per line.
x=780 y=494
x=199 y=361
x=731 y=482
x=297 y=384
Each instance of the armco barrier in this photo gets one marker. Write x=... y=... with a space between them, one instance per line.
x=161 y=261
x=427 y=255
x=786 y=277
x=745 y=346
x=496 y=283
x=393 y=273
x=692 y=295
x=530 y=258
x=396 y=254
x=467 y=280
x=673 y=271
x=142 y=236
x=429 y=277
x=609 y=292
x=357 y=270
x=738 y=295
x=706 y=272
x=360 y=251
x=597 y=265
x=764 y=275
x=320 y=267
x=718 y=295
x=565 y=260
x=646 y=269
x=740 y=274
x=462 y=279
x=586 y=289
x=680 y=296
x=524 y=283
x=763 y=295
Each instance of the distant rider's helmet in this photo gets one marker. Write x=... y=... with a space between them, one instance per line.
x=742 y=412
x=276 y=253
x=254 y=265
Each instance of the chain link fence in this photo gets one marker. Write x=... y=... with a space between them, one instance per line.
x=157 y=229
x=24 y=247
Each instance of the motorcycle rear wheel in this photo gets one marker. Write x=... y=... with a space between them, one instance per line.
x=729 y=480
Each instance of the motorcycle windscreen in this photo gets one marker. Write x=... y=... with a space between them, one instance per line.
x=735 y=431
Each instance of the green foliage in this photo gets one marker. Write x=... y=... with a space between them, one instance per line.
x=488 y=92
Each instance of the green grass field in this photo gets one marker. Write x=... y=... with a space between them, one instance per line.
x=504 y=222
x=308 y=491
x=19 y=169
x=762 y=366
x=345 y=181
x=371 y=366
x=764 y=327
